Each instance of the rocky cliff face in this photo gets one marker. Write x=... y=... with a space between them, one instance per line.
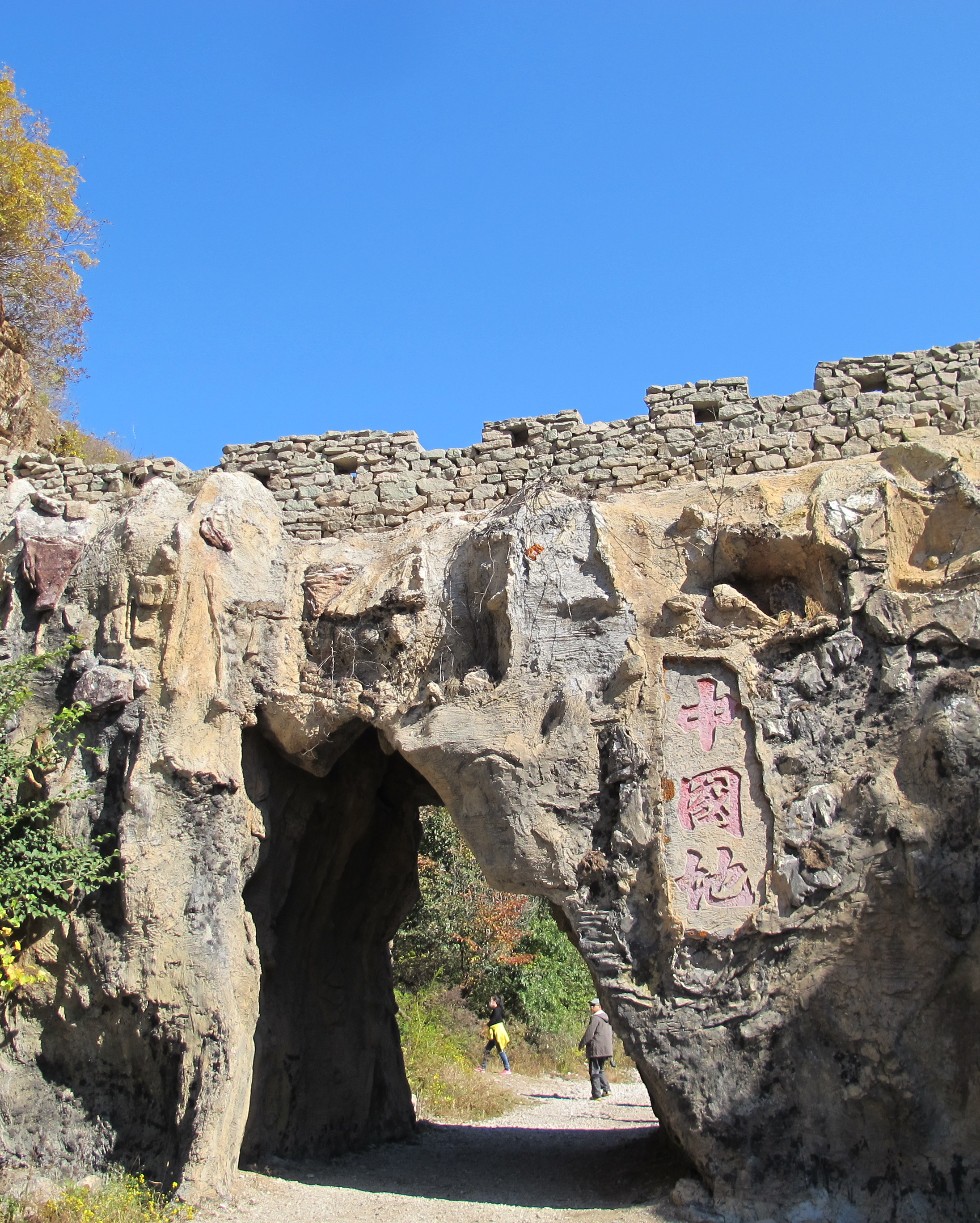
x=730 y=729
x=15 y=381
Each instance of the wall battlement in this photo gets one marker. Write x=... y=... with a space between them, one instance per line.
x=369 y=480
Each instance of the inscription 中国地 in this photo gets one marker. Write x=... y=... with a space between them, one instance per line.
x=708 y=714
x=718 y=850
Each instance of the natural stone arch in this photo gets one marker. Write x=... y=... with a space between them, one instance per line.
x=538 y=666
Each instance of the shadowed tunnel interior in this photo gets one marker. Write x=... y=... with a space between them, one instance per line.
x=337 y=873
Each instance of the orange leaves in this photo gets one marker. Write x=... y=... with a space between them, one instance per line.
x=45 y=240
x=517 y=959
x=502 y=919
x=461 y=932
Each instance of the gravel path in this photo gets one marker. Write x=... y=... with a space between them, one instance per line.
x=557 y=1156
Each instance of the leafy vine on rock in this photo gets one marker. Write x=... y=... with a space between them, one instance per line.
x=45 y=872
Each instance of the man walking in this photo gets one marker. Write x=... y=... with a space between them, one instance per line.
x=598 y=1044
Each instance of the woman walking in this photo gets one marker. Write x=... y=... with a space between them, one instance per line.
x=497 y=1035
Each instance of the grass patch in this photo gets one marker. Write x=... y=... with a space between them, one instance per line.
x=120 y=1198
x=442 y=1048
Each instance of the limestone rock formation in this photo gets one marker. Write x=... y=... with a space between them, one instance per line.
x=729 y=729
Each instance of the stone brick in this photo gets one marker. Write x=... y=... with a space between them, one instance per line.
x=776 y=441
x=735 y=411
x=802 y=398
x=673 y=420
x=396 y=491
x=829 y=435
x=362 y=497
x=867 y=428
x=432 y=485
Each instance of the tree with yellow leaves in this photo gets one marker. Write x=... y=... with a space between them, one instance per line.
x=46 y=240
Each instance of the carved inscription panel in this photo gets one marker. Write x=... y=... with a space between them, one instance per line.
x=716 y=834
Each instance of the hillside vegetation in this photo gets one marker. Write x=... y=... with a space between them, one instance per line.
x=462 y=942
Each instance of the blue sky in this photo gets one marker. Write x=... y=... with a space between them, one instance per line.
x=425 y=214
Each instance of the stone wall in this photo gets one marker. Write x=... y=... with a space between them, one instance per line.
x=335 y=482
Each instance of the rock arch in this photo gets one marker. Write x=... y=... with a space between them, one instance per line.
x=758 y=818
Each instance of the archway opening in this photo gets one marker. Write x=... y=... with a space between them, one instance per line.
x=336 y=874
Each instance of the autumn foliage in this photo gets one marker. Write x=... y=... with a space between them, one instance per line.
x=462 y=933
x=46 y=241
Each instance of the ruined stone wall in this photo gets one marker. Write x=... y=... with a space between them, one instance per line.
x=340 y=481
x=335 y=482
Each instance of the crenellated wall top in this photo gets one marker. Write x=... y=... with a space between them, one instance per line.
x=334 y=482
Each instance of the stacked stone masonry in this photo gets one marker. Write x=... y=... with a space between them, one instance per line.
x=335 y=482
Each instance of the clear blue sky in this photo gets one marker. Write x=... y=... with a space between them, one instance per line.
x=344 y=214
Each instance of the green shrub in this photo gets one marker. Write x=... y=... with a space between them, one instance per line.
x=463 y=940
x=44 y=872
x=463 y=933
x=547 y=984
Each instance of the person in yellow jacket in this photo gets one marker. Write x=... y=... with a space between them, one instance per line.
x=497 y=1034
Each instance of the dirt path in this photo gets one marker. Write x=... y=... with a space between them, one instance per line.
x=557 y=1156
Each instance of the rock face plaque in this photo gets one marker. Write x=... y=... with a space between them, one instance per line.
x=717 y=823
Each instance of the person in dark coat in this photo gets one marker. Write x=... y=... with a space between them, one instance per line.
x=597 y=1042
x=497 y=1033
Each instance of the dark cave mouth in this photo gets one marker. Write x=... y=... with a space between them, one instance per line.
x=336 y=876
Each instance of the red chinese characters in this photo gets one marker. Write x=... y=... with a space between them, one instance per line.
x=709 y=809
x=727 y=886
x=708 y=714
x=714 y=798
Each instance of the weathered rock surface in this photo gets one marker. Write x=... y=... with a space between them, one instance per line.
x=731 y=730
